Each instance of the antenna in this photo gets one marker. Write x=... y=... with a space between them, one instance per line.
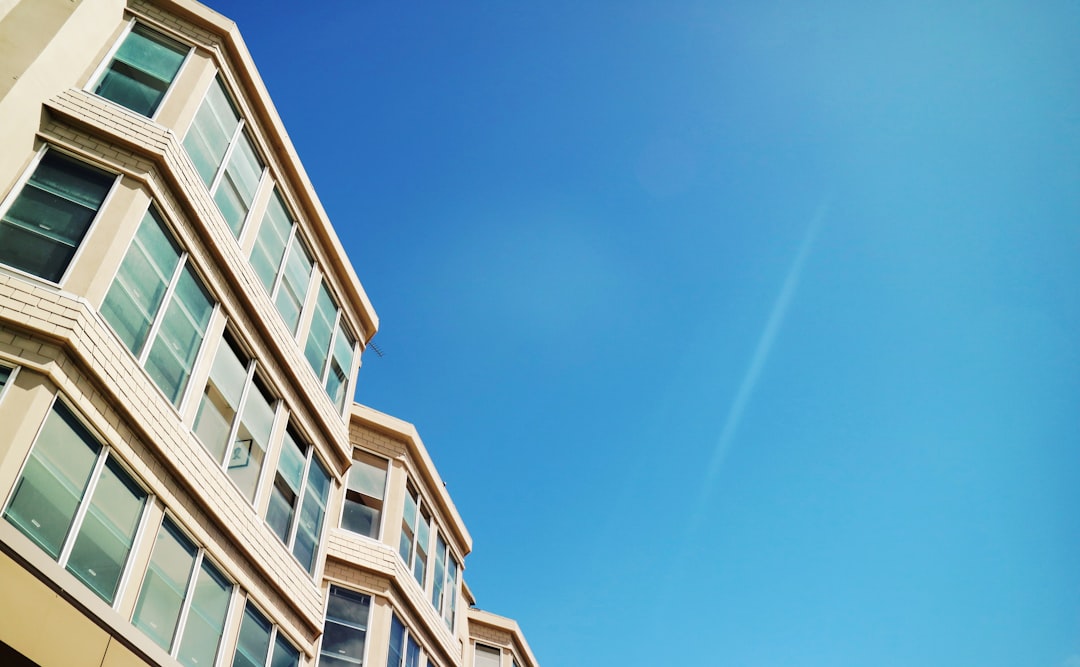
x=375 y=347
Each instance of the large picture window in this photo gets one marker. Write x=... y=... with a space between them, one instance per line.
x=224 y=156
x=77 y=503
x=141 y=70
x=362 y=512
x=45 y=224
x=345 y=631
x=236 y=416
x=282 y=262
x=298 y=501
x=158 y=306
x=183 y=600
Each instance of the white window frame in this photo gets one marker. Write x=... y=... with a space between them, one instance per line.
x=14 y=372
x=382 y=513
x=301 y=494
x=421 y=506
x=101 y=459
x=275 y=630
x=367 y=630
x=16 y=190
x=95 y=79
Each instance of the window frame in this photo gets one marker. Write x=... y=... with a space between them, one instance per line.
x=310 y=457
x=254 y=382
x=338 y=325
x=240 y=131
x=184 y=259
x=478 y=644
x=275 y=632
x=448 y=595
x=421 y=509
x=407 y=637
x=186 y=603
x=326 y=619
x=102 y=457
x=20 y=184
x=294 y=242
x=346 y=491
x=95 y=79
x=13 y=372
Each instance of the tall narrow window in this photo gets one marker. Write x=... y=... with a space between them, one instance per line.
x=142 y=70
x=322 y=330
x=303 y=484
x=47 y=221
x=5 y=375
x=236 y=416
x=224 y=156
x=330 y=341
x=415 y=535
x=159 y=307
x=345 y=632
x=438 y=585
x=77 y=503
x=364 y=497
x=261 y=644
x=282 y=262
x=449 y=607
x=183 y=599
x=337 y=375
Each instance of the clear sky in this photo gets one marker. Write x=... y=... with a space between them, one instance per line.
x=743 y=333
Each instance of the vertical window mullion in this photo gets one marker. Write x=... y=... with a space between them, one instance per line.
x=228 y=155
x=294 y=527
x=84 y=506
x=270 y=644
x=95 y=79
x=280 y=278
x=330 y=351
x=189 y=596
x=241 y=404
x=166 y=299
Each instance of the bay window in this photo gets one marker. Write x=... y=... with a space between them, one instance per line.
x=345 y=631
x=415 y=535
x=281 y=261
x=362 y=511
x=298 y=499
x=330 y=347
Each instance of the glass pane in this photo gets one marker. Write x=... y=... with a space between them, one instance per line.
x=252 y=437
x=269 y=250
x=412 y=653
x=50 y=217
x=322 y=327
x=348 y=607
x=221 y=399
x=108 y=531
x=294 y=284
x=178 y=340
x=423 y=540
x=154 y=54
x=5 y=373
x=254 y=643
x=54 y=480
x=285 y=655
x=211 y=131
x=450 y=609
x=408 y=530
x=236 y=190
x=162 y=595
x=136 y=293
x=206 y=618
x=340 y=367
x=487 y=656
x=439 y=574
x=311 y=515
x=397 y=638
x=287 y=482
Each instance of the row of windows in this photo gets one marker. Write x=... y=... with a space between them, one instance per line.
x=137 y=76
x=77 y=502
x=345 y=634
x=414 y=547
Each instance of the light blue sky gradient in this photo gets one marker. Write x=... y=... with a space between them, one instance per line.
x=680 y=431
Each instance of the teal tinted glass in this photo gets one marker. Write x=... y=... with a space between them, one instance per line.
x=322 y=329
x=210 y=133
x=236 y=189
x=161 y=597
x=139 y=287
x=253 y=645
x=107 y=532
x=312 y=512
x=142 y=70
x=180 y=336
x=206 y=618
x=269 y=250
x=54 y=480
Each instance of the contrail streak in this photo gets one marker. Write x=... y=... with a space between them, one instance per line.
x=757 y=362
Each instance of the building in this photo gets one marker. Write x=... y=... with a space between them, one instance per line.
x=183 y=478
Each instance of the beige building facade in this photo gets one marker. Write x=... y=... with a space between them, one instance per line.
x=184 y=477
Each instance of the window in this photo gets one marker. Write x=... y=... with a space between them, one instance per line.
x=141 y=71
x=403 y=650
x=362 y=512
x=282 y=262
x=159 y=307
x=300 y=475
x=48 y=220
x=345 y=632
x=236 y=416
x=487 y=656
x=224 y=156
x=77 y=503
x=5 y=375
x=257 y=637
x=329 y=335
x=415 y=535
x=183 y=600
x=444 y=589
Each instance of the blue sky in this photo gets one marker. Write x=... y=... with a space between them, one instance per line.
x=744 y=334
